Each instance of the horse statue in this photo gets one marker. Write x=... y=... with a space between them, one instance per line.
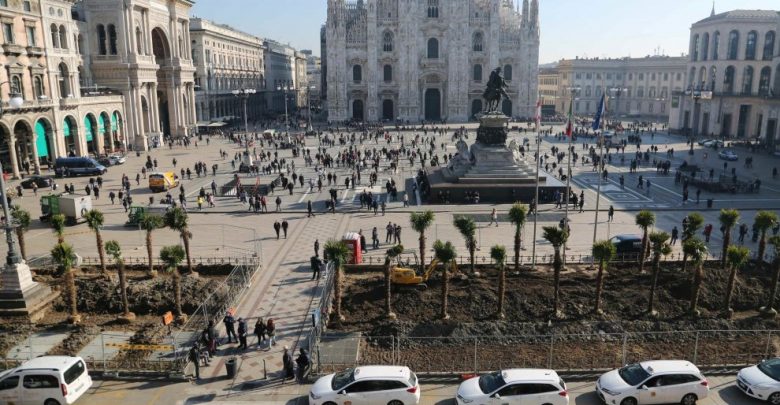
x=495 y=90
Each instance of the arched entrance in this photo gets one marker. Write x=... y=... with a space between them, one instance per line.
x=432 y=105
x=161 y=49
x=145 y=111
x=90 y=134
x=5 y=150
x=357 y=110
x=104 y=122
x=44 y=141
x=25 y=149
x=476 y=108
x=387 y=110
x=116 y=131
x=506 y=108
x=71 y=136
x=165 y=123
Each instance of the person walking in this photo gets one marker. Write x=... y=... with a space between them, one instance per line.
x=493 y=217
x=303 y=363
x=260 y=331
x=285 y=225
x=707 y=232
x=195 y=359
x=675 y=234
x=316 y=267
x=317 y=247
x=230 y=327
x=363 y=246
x=390 y=231
x=375 y=238
x=310 y=209
x=211 y=337
x=611 y=214
x=277 y=228
x=278 y=204
x=406 y=199
x=270 y=329
x=242 y=333
x=287 y=363
x=397 y=234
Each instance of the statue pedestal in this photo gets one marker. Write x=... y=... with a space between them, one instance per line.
x=20 y=295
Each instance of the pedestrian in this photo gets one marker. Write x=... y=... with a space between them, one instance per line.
x=675 y=234
x=277 y=228
x=707 y=232
x=611 y=214
x=310 y=209
x=242 y=331
x=363 y=246
x=211 y=336
x=406 y=199
x=195 y=358
x=35 y=188
x=111 y=196
x=317 y=247
x=270 y=329
x=390 y=231
x=278 y=204
x=260 y=331
x=303 y=363
x=698 y=196
x=493 y=217
x=743 y=230
x=285 y=225
x=397 y=234
x=375 y=238
x=316 y=267
x=230 y=327
x=287 y=362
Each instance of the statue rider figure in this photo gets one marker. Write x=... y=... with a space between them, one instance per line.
x=495 y=90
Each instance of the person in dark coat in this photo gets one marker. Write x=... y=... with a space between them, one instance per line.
x=260 y=331
x=287 y=361
x=242 y=333
x=303 y=363
x=285 y=225
x=317 y=247
x=316 y=267
x=230 y=327
x=195 y=358
x=310 y=209
x=277 y=228
x=211 y=336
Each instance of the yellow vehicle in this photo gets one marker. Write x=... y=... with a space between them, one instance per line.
x=408 y=274
x=163 y=181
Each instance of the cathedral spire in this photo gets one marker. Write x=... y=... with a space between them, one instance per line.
x=525 y=11
x=534 y=17
x=712 y=13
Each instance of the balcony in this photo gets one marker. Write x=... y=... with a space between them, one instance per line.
x=13 y=49
x=69 y=102
x=34 y=51
x=28 y=105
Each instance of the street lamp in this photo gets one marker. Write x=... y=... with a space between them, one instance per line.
x=308 y=102
x=244 y=94
x=12 y=257
x=285 y=88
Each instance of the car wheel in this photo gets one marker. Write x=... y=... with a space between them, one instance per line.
x=329 y=403
x=395 y=402
x=774 y=399
x=628 y=401
x=51 y=402
x=689 y=399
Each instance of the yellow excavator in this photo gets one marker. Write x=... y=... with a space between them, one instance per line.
x=407 y=274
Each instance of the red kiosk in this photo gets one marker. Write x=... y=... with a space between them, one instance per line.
x=352 y=239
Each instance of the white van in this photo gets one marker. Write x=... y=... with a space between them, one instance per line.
x=46 y=380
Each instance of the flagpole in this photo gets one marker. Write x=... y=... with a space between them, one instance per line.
x=573 y=90
x=538 y=141
x=600 y=166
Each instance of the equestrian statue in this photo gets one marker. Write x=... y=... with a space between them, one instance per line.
x=495 y=90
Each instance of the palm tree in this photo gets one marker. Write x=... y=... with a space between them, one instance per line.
x=695 y=222
x=644 y=219
x=95 y=222
x=517 y=215
x=22 y=221
x=603 y=251
x=149 y=223
x=768 y=310
x=113 y=249
x=65 y=257
x=58 y=224
x=421 y=221
x=172 y=256
x=659 y=242
x=445 y=254
x=557 y=238
x=338 y=252
x=177 y=220
x=728 y=219
x=763 y=222
x=390 y=255
x=468 y=229
x=737 y=256
x=696 y=249
x=498 y=254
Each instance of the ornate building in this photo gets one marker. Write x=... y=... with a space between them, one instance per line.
x=428 y=59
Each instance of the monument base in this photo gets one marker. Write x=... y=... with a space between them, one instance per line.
x=21 y=296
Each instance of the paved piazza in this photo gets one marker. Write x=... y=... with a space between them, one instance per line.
x=284 y=290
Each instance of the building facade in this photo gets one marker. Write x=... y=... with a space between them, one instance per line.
x=286 y=80
x=548 y=89
x=428 y=59
x=638 y=87
x=733 y=87
x=226 y=59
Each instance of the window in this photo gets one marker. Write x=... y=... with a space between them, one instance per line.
x=363 y=386
x=27 y=6
x=37 y=87
x=588 y=76
x=578 y=76
x=641 y=76
x=55 y=36
x=433 y=8
x=733 y=45
x=4 y=3
x=666 y=76
x=433 y=48
x=652 y=77
x=387 y=42
x=74 y=372
x=705 y=46
x=679 y=76
x=640 y=92
x=750 y=49
x=477 y=73
x=357 y=73
x=477 y=42
x=8 y=33
x=101 y=34
x=16 y=85
x=695 y=48
x=31 y=36
x=63 y=37
x=728 y=80
x=630 y=76
x=715 y=45
x=747 y=80
x=769 y=45
x=763 y=82
x=508 y=72
x=609 y=76
x=112 y=39
x=40 y=381
x=619 y=76
x=64 y=81
x=388 y=73
x=587 y=91
x=9 y=383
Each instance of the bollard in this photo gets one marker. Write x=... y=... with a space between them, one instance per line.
x=265 y=372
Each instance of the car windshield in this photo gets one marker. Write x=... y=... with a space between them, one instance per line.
x=771 y=368
x=340 y=380
x=491 y=382
x=633 y=374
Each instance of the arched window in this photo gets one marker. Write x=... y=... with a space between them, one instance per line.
x=713 y=72
x=769 y=45
x=747 y=80
x=728 y=80
x=587 y=91
x=112 y=39
x=652 y=93
x=692 y=77
x=507 y=72
x=101 y=34
x=477 y=42
x=63 y=37
x=357 y=73
x=764 y=80
x=702 y=78
x=80 y=43
x=433 y=8
x=388 y=73
x=695 y=48
x=705 y=46
x=37 y=87
x=750 y=49
x=433 y=48
x=16 y=85
x=139 y=43
x=64 y=79
x=477 y=73
x=387 y=42
x=733 y=45
x=640 y=92
x=55 y=36
x=715 y=45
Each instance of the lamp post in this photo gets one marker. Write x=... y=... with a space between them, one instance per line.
x=12 y=258
x=572 y=91
x=15 y=100
x=308 y=103
x=285 y=89
x=244 y=94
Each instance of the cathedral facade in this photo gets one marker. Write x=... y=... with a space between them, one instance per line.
x=428 y=60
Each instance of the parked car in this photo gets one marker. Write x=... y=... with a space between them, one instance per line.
x=761 y=381
x=367 y=385
x=627 y=244
x=714 y=143
x=653 y=382
x=78 y=166
x=515 y=387
x=728 y=155
x=704 y=142
x=45 y=380
x=40 y=181
x=117 y=160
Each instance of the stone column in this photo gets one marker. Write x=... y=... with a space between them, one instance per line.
x=12 y=155
x=35 y=160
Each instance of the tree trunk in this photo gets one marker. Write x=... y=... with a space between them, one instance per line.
x=654 y=284
x=101 y=251
x=22 y=245
x=644 y=252
x=70 y=284
x=177 y=291
x=445 y=290
x=761 y=247
x=472 y=251
x=599 y=287
x=773 y=288
x=149 y=251
x=726 y=243
x=730 y=288
x=388 y=310
x=697 y=276
x=186 y=240
x=517 y=249
x=422 y=253
x=337 y=292
x=557 y=264
x=123 y=286
x=685 y=262
x=501 y=290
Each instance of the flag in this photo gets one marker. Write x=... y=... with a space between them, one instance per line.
x=599 y=114
x=570 y=122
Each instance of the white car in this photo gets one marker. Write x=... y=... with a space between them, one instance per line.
x=367 y=385
x=46 y=380
x=653 y=382
x=761 y=381
x=514 y=386
x=117 y=160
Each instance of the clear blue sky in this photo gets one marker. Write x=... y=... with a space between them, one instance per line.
x=586 y=28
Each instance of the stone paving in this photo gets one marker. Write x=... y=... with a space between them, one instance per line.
x=105 y=346
x=36 y=345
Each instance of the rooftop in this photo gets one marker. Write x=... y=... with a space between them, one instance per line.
x=529 y=374
x=382 y=372
x=744 y=15
x=668 y=366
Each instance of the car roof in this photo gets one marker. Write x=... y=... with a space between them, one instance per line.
x=50 y=362
x=627 y=237
x=380 y=372
x=669 y=366
x=529 y=374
